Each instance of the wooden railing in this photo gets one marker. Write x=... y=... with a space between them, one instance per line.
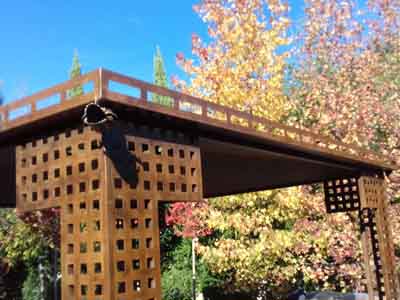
x=45 y=102
x=211 y=113
x=138 y=93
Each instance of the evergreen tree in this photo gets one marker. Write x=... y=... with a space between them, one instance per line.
x=75 y=72
x=160 y=79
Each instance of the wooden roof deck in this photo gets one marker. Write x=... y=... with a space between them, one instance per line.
x=227 y=135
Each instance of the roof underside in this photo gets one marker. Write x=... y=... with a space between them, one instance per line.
x=235 y=157
x=231 y=168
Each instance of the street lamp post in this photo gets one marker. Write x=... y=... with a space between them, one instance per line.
x=194 y=243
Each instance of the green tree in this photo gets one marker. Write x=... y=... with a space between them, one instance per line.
x=31 y=290
x=26 y=240
x=177 y=274
x=160 y=79
x=76 y=71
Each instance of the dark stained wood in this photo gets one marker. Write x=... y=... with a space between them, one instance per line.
x=7 y=176
x=231 y=168
x=342 y=195
x=366 y=194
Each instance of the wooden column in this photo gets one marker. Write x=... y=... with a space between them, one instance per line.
x=108 y=184
x=373 y=199
x=367 y=196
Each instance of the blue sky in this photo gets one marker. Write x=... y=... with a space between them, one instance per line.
x=38 y=38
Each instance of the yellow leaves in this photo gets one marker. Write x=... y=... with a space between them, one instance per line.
x=251 y=260
x=254 y=214
x=242 y=53
x=244 y=70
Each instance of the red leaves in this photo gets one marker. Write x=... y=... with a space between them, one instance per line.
x=46 y=222
x=187 y=220
x=195 y=39
x=203 y=53
x=180 y=57
x=174 y=80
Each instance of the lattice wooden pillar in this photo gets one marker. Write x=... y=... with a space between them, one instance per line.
x=108 y=184
x=367 y=196
x=373 y=198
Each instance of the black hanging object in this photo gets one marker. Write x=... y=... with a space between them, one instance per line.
x=95 y=114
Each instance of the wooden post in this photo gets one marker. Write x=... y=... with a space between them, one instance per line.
x=108 y=184
x=364 y=222
x=373 y=198
x=367 y=196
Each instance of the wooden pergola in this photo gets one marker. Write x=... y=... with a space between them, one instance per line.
x=108 y=179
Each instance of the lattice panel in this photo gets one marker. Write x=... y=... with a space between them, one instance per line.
x=367 y=252
x=386 y=249
x=110 y=245
x=375 y=224
x=135 y=245
x=341 y=195
x=371 y=191
x=56 y=167
x=370 y=245
x=65 y=170
x=167 y=171
x=84 y=243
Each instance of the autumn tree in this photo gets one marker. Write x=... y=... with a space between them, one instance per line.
x=160 y=79
x=76 y=71
x=344 y=84
x=240 y=66
x=347 y=83
x=26 y=240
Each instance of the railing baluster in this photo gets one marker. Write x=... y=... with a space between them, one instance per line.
x=63 y=96
x=99 y=84
x=176 y=103
x=6 y=115
x=228 y=117
x=3 y=119
x=105 y=83
x=143 y=94
x=203 y=109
